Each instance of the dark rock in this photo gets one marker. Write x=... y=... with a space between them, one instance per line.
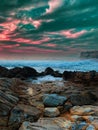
x=82 y=99
x=3 y=72
x=89 y=54
x=29 y=72
x=14 y=71
x=87 y=78
x=68 y=75
x=49 y=71
x=53 y=100
x=23 y=112
x=57 y=74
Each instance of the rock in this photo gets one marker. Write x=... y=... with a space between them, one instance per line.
x=79 y=126
x=88 y=118
x=14 y=71
x=89 y=54
x=23 y=112
x=53 y=100
x=82 y=110
x=65 y=108
x=48 y=71
x=90 y=127
x=29 y=72
x=76 y=118
x=22 y=73
x=85 y=110
x=87 y=78
x=48 y=124
x=86 y=98
x=51 y=112
x=68 y=75
x=3 y=71
x=95 y=124
x=14 y=104
x=57 y=74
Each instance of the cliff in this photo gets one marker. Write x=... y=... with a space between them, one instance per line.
x=89 y=54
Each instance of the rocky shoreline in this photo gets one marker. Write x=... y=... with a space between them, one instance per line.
x=69 y=105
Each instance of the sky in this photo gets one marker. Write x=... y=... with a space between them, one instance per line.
x=47 y=29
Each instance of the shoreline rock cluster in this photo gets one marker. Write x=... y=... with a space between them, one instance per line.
x=27 y=106
x=26 y=72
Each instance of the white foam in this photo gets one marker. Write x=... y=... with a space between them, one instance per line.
x=47 y=78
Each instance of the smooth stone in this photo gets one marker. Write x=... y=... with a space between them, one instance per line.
x=51 y=112
x=48 y=124
x=53 y=100
x=90 y=127
x=82 y=110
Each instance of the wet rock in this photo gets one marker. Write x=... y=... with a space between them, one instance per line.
x=57 y=74
x=47 y=124
x=23 y=112
x=48 y=71
x=3 y=71
x=14 y=71
x=79 y=126
x=53 y=100
x=51 y=112
x=86 y=98
x=29 y=72
x=87 y=78
x=82 y=110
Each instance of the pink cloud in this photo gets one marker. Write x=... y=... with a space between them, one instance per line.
x=28 y=41
x=50 y=45
x=9 y=46
x=70 y=34
x=32 y=50
x=53 y=5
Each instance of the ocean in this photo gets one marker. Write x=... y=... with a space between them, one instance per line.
x=76 y=65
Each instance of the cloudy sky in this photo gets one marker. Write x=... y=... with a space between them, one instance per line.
x=47 y=29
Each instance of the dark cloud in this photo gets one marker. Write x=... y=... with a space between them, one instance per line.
x=48 y=26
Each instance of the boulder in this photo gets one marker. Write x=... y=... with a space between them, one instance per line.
x=51 y=112
x=23 y=112
x=86 y=98
x=53 y=100
x=48 y=124
x=84 y=110
x=48 y=71
x=14 y=71
x=87 y=78
x=3 y=71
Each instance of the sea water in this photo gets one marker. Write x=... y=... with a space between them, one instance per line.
x=77 y=65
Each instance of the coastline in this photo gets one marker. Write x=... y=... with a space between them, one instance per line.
x=67 y=104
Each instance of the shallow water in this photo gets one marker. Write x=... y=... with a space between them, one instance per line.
x=47 y=78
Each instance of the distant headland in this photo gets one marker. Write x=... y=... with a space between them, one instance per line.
x=89 y=54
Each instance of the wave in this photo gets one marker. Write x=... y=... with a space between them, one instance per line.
x=79 y=65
